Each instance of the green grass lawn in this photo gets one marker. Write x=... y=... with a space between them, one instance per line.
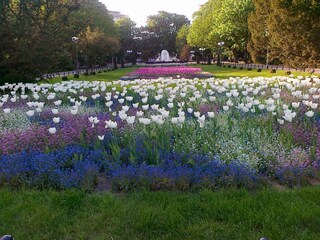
x=225 y=214
x=221 y=72
x=104 y=76
x=218 y=72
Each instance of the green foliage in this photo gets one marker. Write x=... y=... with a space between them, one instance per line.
x=290 y=29
x=259 y=38
x=181 y=39
x=33 y=37
x=225 y=214
x=164 y=28
x=218 y=21
x=36 y=35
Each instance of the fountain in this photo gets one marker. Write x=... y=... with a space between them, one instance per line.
x=165 y=57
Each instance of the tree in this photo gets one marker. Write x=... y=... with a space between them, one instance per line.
x=94 y=44
x=294 y=28
x=290 y=29
x=181 y=40
x=163 y=29
x=259 y=44
x=33 y=37
x=94 y=16
x=126 y=28
x=222 y=21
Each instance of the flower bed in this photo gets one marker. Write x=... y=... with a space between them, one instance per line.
x=175 y=72
x=172 y=134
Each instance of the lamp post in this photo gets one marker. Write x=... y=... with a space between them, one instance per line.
x=139 y=56
x=75 y=40
x=202 y=49
x=220 y=45
x=267 y=57
x=129 y=52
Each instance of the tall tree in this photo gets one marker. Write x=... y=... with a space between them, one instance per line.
x=33 y=37
x=163 y=29
x=127 y=28
x=293 y=29
x=181 y=39
x=222 y=21
x=259 y=44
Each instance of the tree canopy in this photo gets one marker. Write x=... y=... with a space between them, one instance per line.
x=221 y=21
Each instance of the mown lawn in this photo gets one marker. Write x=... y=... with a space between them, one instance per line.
x=225 y=214
x=224 y=72
x=104 y=76
x=218 y=72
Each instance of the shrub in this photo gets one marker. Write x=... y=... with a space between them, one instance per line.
x=288 y=72
x=76 y=75
x=259 y=70
x=229 y=66
x=249 y=69
x=64 y=78
x=240 y=68
x=99 y=72
x=93 y=73
x=273 y=71
x=234 y=67
x=86 y=74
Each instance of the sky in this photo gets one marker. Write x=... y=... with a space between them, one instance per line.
x=139 y=10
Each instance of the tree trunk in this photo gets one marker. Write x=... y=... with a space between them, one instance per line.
x=235 y=57
x=209 y=59
x=115 y=64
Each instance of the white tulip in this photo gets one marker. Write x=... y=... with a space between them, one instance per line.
x=212 y=98
x=55 y=111
x=123 y=116
x=261 y=106
x=190 y=110
x=125 y=108
x=101 y=137
x=211 y=114
x=111 y=124
x=280 y=121
x=145 y=121
x=295 y=104
x=196 y=114
x=174 y=120
x=52 y=130
x=131 y=119
x=225 y=108
x=314 y=105
x=135 y=105
x=139 y=114
x=74 y=111
x=310 y=114
x=154 y=107
x=56 y=119
x=6 y=110
x=57 y=103
x=201 y=120
x=145 y=107
x=30 y=113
